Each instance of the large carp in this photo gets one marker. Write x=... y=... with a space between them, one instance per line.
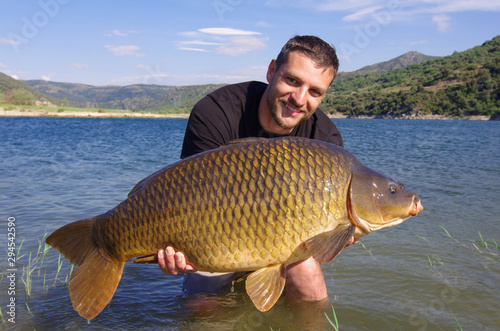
x=252 y=205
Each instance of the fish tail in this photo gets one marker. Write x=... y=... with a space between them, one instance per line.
x=94 y=282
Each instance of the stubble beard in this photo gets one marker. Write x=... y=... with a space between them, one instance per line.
x=274 y=105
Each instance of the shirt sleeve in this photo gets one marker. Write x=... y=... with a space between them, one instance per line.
x=326 y=130
x=207 y=128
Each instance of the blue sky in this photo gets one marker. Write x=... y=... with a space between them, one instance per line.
x=222 y=41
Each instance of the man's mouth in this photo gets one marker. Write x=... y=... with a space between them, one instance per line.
x=291 y=110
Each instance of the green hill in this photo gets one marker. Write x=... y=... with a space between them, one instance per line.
x=15 y=92
x=131 y=97
x=465 y=83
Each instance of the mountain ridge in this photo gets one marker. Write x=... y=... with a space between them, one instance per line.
x=402 y=61
x=464 y=83
x=156 y=97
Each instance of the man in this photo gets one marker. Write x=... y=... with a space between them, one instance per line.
x=298 y=80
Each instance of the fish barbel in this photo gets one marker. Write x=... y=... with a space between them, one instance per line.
x=252 y=205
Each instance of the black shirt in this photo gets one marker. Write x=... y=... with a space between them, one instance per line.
x=231 y=112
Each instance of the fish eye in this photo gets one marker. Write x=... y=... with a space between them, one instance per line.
x=393 y=188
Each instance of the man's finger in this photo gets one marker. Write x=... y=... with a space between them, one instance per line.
x=180 y=262
x=170 y=261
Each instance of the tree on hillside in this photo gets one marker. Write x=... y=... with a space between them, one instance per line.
x=20 y=97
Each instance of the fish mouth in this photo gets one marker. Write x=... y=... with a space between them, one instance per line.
x=416 y=206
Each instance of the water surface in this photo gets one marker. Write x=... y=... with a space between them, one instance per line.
x=413 y=276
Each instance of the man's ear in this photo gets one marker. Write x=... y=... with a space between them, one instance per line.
x=271 y=70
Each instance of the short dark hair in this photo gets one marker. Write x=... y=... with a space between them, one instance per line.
x=322 y=53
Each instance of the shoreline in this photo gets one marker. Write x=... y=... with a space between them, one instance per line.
x=21 y=112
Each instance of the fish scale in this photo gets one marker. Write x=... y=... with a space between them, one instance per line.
x=237 y=202
x=255 y=204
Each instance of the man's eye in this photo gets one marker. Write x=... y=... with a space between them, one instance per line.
x=316 y=93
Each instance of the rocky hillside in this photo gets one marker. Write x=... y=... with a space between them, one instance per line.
x=465 y=83
x=402 y=61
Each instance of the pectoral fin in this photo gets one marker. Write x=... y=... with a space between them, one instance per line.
x=264 y=286
x=325 y=246
x=146 y=259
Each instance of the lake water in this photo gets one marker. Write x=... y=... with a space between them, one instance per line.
x=410 y=277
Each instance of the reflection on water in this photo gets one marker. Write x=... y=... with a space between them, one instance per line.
x=412 y=276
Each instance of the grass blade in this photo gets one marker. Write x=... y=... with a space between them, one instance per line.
x=335 y=324
x=447 y=233
x=456 y=320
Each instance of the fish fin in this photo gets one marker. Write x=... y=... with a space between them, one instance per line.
x=325 y=246
x=264 y=286
x=94 y=282
x=74 y=241
x=150 y=259
x=138 y=186
x=144 y=181
x=244 y=141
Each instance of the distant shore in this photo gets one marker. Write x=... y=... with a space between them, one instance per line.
x=28 y=112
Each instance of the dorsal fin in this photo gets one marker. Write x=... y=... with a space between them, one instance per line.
x=244 y=141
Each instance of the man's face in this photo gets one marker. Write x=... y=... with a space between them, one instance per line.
x=295 y=90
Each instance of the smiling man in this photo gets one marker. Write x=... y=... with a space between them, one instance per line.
x=287 y=106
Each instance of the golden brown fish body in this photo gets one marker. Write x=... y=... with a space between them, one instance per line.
x=256 y=204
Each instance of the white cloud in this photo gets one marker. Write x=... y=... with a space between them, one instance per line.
x=361 y=14
x=336 y=5
x=2 y=65
x=228 y=32
x=15 y=77
x=193 y=49
x=241 y=45
x=447 y=6
x=226 y=41
x=442 y=22
x=200 y=42
x=118 y=33
x=9 y=41
x=124 y=50
x=47 y=77
x=356 y=10
x=186 y=45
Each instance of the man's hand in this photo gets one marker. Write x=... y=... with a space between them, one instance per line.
x=172 y=263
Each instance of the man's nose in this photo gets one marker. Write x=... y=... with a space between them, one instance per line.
x=299 y=96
